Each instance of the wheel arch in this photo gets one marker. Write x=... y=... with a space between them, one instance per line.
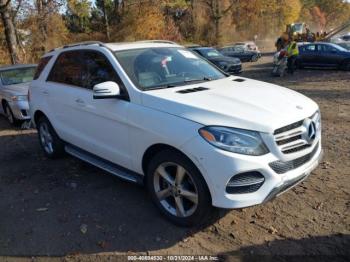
x=37 y=115
x=152 y=151
x=156 y=148
x=3 y=103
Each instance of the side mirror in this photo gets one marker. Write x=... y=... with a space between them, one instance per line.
x=106 y=90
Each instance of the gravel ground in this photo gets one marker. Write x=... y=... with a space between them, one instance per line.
x=68 y=208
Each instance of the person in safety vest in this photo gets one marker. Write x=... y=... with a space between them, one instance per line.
x=293 y=52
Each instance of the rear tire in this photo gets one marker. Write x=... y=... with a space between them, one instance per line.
x=178 y=189
x=51 y=144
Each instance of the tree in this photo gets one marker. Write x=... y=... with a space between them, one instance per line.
x=217 y=10
x=78 y=15
x=10 y=32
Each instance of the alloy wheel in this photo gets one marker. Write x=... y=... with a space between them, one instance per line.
x=175 y=189
x=46 y=138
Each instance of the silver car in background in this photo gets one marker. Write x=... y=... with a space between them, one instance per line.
x=14 y=83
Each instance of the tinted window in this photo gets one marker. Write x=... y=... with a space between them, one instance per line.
x=99 y=70
x=310 y=48
x=326 y=48
x=68 y=69
x=43 y=62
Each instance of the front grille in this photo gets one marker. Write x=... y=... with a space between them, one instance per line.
x=245 y=183
x=281 y=167
x=294 y=137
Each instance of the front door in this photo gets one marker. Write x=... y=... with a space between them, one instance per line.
x=103 y=123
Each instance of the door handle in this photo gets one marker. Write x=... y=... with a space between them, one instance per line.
x=45 y=92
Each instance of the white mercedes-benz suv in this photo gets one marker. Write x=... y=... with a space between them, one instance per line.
x=154 y=112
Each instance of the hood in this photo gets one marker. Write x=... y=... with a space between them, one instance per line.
x=246 y=104
x=17 y=89
x=229 y=60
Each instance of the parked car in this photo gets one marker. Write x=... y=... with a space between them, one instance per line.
x=228 y=64
x=14 y=83
x=249 y=45
x=323 y=55
x=241 y=52
x=154 y=112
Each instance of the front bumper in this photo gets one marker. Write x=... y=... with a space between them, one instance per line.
x=20 y=110
x=218 y=167
x=234 y=69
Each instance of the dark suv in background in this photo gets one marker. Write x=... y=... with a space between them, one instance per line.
x=231 y=65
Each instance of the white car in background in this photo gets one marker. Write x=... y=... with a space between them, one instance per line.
x=157 y=113
x=14 y=83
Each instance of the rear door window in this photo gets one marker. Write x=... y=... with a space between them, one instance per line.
x=310 y=48
x=68 y=69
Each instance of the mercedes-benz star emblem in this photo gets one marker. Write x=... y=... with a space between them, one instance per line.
x=312 y=131
x=309 y=134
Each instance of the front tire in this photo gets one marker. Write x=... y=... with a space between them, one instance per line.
x=178 y=189
x=51 y=144
x=9 y=115
x=255 y=58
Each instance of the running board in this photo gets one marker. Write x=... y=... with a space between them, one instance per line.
x=105 y=165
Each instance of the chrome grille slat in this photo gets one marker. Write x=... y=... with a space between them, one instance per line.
x=293 y=145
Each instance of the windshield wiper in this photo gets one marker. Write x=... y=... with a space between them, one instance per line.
x=178 y=83
x=198 y=80
x=160 y=87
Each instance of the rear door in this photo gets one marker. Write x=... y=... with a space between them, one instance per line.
x=329 y=55
x=62 y=89
x=308 y=55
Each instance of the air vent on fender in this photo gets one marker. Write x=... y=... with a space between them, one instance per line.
x=192 y=90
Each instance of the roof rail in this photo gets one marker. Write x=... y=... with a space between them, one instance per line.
x=81 y=44
x=157 y=41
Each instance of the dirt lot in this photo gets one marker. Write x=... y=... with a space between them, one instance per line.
x=66 y=207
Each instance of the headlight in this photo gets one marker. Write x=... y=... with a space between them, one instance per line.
x=235 y=140
x=19 y=98
x=222 y=65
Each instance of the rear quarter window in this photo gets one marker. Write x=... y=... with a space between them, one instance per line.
x=43 y=62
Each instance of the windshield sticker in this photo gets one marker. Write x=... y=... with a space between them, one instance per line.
x=187 y=54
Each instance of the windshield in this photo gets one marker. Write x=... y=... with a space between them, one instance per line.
x=340 y=48
x=153 y=68
x=297 y=28
x=210 y=52
x=17 y=76
x=345 y=45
